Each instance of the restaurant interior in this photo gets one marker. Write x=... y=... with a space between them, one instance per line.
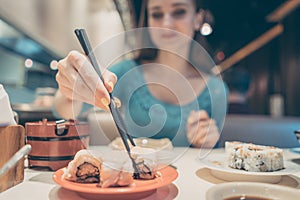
x=237 y=26
x=257 y=37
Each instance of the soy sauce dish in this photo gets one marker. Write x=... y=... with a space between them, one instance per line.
x=251 y=191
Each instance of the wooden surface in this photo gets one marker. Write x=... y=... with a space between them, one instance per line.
x=12 y=138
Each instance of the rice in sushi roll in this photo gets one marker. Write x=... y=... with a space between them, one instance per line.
x=254 y=158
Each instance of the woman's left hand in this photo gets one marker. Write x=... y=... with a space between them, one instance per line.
x=202 y=131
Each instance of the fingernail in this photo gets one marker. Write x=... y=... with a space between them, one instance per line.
x=117 y=102
x=104 y=101
x=111 y=84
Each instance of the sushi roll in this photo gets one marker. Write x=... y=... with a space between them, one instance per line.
x=112 y=168
x=146 y=162
x=116 y=169
x=254 y=158
x=84 y=168
x=107 y=169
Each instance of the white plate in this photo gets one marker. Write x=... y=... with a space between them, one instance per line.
x=157 y=144
x=262 y=190
x=218 y=165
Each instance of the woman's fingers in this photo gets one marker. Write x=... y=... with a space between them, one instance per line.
x=196 y=116
x=207 y=138
x=73 y=86
x=78 y=80
x=77 y=91
x=110 y=80
x=90 y=77
x=200 y=128
x=204 y=137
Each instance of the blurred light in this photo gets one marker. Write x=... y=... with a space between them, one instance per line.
x=53 y=65
x=28 y=63
x=206 y=29
x=220 y=55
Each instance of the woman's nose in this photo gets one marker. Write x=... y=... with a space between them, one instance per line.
x=168 y=21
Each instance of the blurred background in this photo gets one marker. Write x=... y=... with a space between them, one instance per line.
x=258 y=36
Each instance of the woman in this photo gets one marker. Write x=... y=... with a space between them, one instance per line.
x=162 y=91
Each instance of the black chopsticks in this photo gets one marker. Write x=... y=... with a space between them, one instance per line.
x=85 y=44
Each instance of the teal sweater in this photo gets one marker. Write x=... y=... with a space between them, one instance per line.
x=147 y=116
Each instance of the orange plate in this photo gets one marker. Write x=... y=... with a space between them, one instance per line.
x=139 y=188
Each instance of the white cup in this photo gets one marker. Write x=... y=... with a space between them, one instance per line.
x=7 y=115
x=276 y=105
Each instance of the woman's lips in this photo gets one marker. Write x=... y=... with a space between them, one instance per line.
x=168 y=35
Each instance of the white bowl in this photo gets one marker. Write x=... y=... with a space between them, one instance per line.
x=262 y=190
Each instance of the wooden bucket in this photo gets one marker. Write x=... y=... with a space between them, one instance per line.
x=54 y=145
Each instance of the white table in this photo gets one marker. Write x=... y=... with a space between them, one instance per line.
x=192 y=183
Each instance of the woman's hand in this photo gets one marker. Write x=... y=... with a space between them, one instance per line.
x=77 y=80
x=202 y=131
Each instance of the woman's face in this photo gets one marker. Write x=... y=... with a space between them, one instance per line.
x=175 y=15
